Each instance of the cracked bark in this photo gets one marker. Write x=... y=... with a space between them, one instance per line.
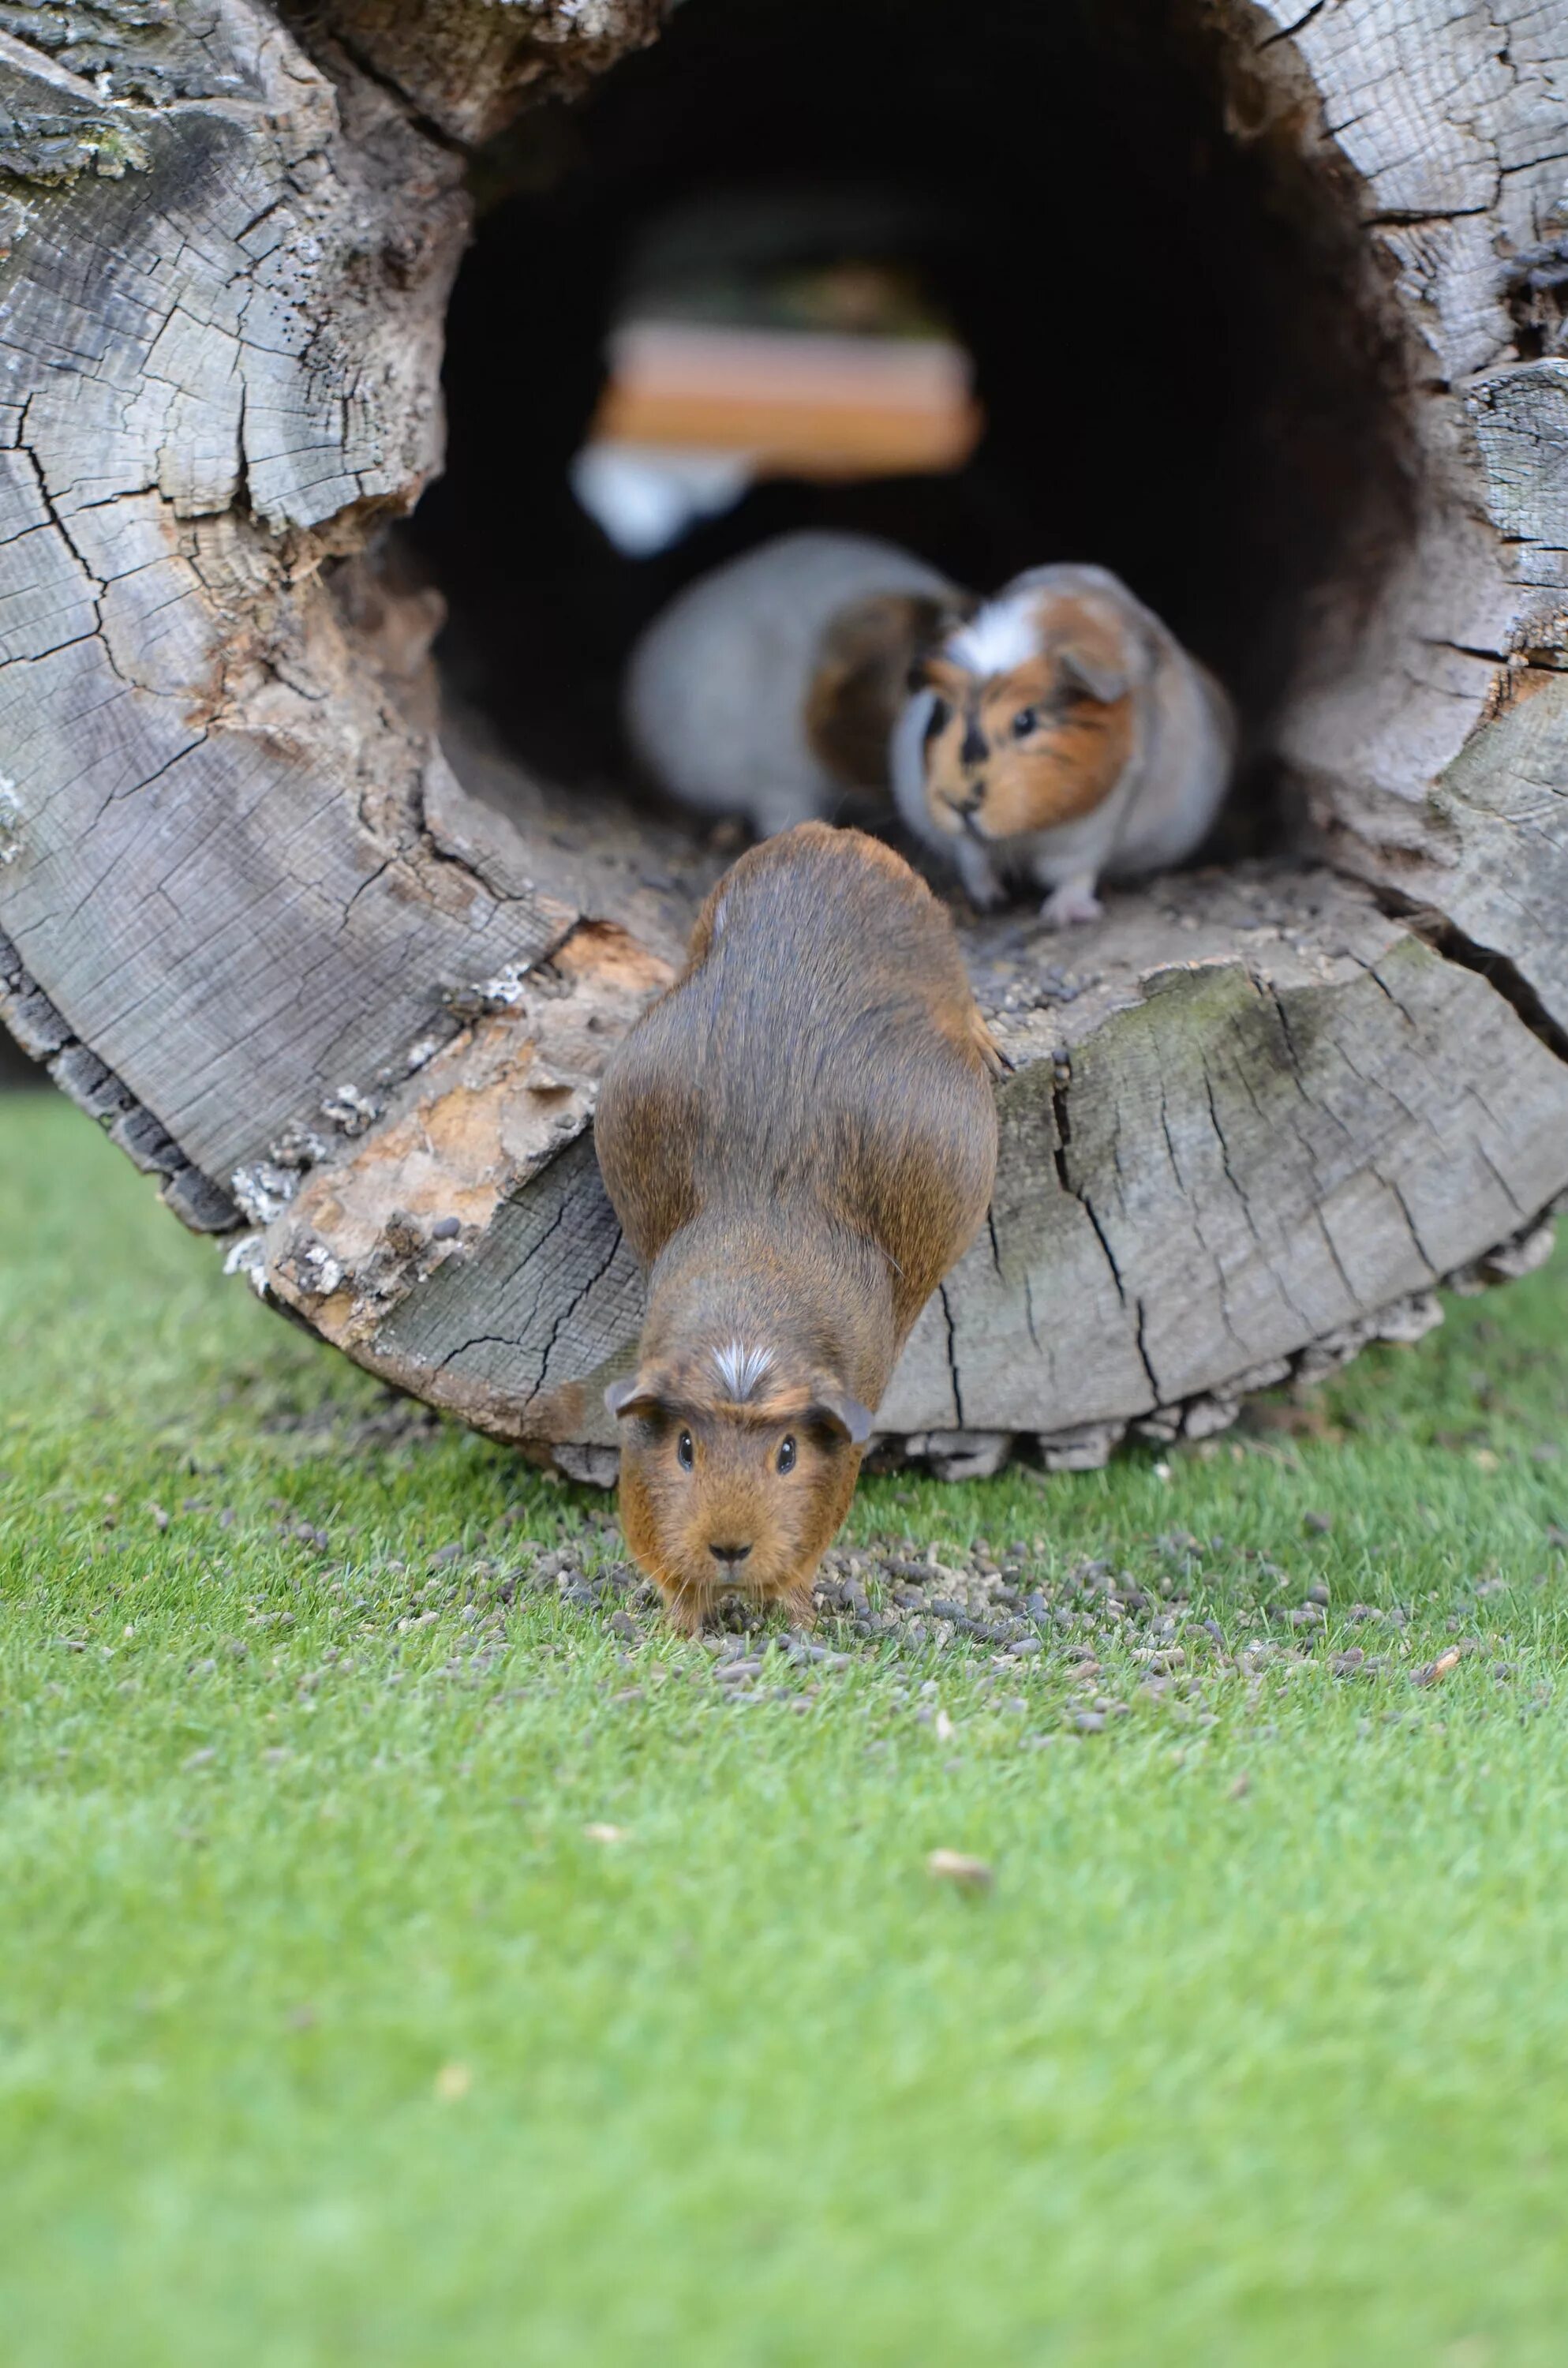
x=274 y=934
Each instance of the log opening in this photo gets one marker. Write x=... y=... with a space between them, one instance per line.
x=1184 y=374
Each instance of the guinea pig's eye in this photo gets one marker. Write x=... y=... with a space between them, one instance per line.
x=786 y=1455
x=686 y=1454
x=1024 y=722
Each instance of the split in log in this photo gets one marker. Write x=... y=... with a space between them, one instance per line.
x=332 y=947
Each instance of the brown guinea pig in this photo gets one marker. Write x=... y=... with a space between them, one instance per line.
x=1063 y=733
x=799 y=1139
x=772 y=684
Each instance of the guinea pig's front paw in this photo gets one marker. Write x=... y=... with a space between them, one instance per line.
x=1075 y=901
x=797 y=1605
x=685 y=1611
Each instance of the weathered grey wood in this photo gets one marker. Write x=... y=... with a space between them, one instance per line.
x=1454 y=121
x=467 y=69
x=331 y=979
x=217 y=829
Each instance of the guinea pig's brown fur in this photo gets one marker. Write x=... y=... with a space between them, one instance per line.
x=865 y=661
x=799 y=1139
x=1043 y=743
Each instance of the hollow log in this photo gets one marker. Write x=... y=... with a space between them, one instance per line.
x=328 y=962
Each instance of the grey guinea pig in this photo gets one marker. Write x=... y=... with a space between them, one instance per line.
x=772 y=685
x=798 y=1139
x=1062 y=734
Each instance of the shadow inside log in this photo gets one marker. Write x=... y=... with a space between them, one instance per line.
x=1175 y=348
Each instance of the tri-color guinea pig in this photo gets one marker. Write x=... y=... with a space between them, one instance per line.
x=1061 y=734
x=772 y=685
x=798 y=1139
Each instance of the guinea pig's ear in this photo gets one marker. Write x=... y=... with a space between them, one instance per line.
x=1096 y=673
x=633 y=1396
x=843 y=1415
x=1101 y=650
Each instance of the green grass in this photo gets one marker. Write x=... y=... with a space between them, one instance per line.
x=327 y=2034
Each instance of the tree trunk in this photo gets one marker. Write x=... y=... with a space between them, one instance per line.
x=280 y=938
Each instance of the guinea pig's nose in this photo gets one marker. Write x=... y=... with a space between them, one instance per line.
x=970 y=804
x=732 y=1554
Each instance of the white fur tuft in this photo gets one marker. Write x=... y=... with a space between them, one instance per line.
x=742 y=1369
x=1001 y=635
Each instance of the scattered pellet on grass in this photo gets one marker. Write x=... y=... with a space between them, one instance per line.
x=453 y=2082
x=606 y=1834
x=958 y=1867
x=1241 y=1787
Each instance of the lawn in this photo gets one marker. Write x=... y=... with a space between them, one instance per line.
x=331 y=2030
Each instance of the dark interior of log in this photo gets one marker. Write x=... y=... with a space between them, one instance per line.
x=1158 y=296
